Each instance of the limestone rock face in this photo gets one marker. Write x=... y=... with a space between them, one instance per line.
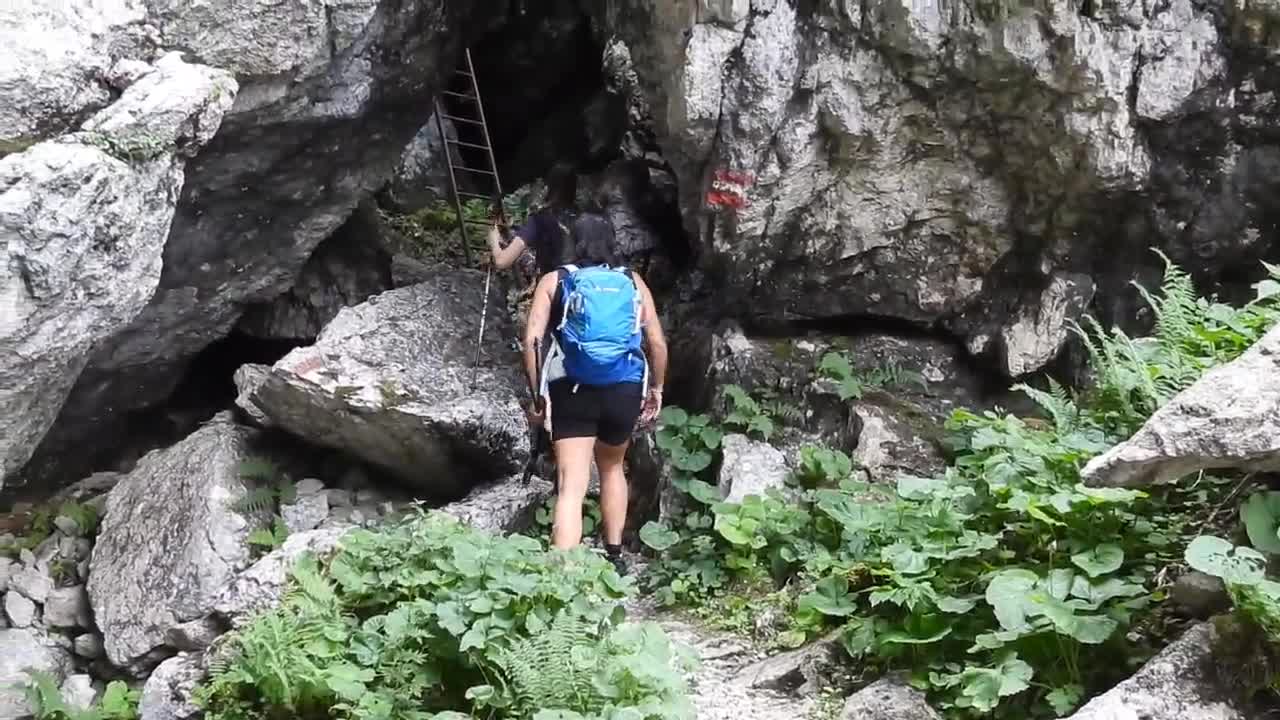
x=170 y=542
x=83 y=223
x=390 y=381
x=22 y=650
x=1176 y=684
x=750 y=467
x=1230 y=418
x=318 y=125
x=980 y=169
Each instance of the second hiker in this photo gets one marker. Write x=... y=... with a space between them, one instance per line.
x=545 y=231
x=599 y=315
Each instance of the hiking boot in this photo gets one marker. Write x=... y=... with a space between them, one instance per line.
x=619 y=564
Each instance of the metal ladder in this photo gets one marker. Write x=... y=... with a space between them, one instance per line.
x=469 y=101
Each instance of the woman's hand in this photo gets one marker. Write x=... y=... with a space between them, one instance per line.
x=650 y=409
x=495 y=239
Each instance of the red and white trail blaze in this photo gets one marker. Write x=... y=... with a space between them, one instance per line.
x=728 y=189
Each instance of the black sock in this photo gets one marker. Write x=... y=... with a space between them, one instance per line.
x=613 y=550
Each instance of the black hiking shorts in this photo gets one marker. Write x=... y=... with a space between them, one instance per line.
x=605 y=412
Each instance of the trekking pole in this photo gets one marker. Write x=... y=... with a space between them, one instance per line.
x=484 y=314
x=536 y=443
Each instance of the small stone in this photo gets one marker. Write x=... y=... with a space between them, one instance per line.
x=27 y=557
x=369 y=496
x=308 y=486
x=339 y=498
x=31 y=583
x=81 y=549
x=68 y=608
x=305 y=514
x=195 y=635
x=21 y=611
x=7 y=569
x=88 y=646
x=1199 y=595
x=78 y=692
x=356 y=517
x=82 y=570
x=46 y=552
x=68 y=526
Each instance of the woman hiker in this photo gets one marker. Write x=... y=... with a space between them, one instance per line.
x=545 y=231
x=600 y=316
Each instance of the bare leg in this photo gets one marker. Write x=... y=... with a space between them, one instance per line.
x=613 y=490
x=573 y=462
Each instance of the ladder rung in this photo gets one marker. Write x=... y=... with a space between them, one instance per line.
x=455 y=118
x=467 y=144
x=473 y=195
x=463 y=72
x=464 y=96
x=474 y=170
x=477 y=222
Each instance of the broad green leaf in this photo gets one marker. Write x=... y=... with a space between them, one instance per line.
x=918 y=488
x=703 y=492
x=830 y=597
x=731 y=530
x=902 y=637
x=1007 y=595
x=658 y=536
x=905 y=559
x=1261 y=516
x=1065 y=698
x=1215 y=556
x=955 y=605
x=1058 y=584
x=1101 y=560
x=711 y=437
x=1093 y=629
x=348 y=681
x=673 y=417
x=480 y=693
x=858 y=637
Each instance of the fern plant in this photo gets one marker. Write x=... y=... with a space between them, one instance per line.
x=118 y=701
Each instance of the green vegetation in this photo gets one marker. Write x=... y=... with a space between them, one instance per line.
x=118 y=701
x=431 y=234
x=431 y=620
x=1004 y=587
x=269 y=488
x=39 y=526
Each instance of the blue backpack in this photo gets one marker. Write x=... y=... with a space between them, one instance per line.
x=599 y=329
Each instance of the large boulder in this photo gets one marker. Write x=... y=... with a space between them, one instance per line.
x=391 y=381
x=502 y=507
x=262 y=586
x=171 y=541
x=1229 y=418
x=327 y=106
x=23 y=651
x=58 y=61
x=1180 y=683
x=345 y=270
x=421 y=178
x=83 y=221
x=888 y=699
x=917 y=161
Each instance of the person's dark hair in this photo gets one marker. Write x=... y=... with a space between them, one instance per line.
x=562 y=186
x=593 y=244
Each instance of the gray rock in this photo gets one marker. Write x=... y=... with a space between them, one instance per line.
x=422 y=177
x=7 y=569
x=56 y=54
x=802 y=669
x=749 y=467
x=79 y=692
x=390 y=381
x=345 y=270
x=1176 y=684
x=167 y=694
x=888 y=699
x=1036 y=334
x=31 y=583
x=502 y=507
x=82 y=262
x=1230 y=418
x=308 y=486
x=1199 y=595
x=21 y=651
x=248 y=378
x=311 y=75
x=88 y=646
x=338 y=498
x=21 y=612
x=195 y=635
x=68 y=608
x=897 y=437
x=262 y=585
x=171 y=541
x=306 y=513
x=67 y=526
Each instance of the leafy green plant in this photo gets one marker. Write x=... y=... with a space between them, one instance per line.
x=429 y=618
x=851 y=385
x=270 y=488
x=544 y=516
x=118 y=701
x=269 y=538
x=747 y=414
